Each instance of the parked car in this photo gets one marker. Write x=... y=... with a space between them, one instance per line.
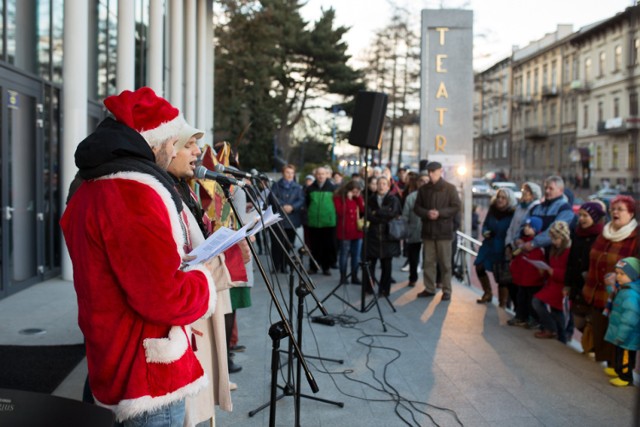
x=606 y=195
x=510 y=185
x=480 y=188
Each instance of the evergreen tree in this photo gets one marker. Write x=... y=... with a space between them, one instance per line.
x=270 y=67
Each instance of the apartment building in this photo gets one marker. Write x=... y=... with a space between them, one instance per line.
x=608 y=78
x=573 y=110
x=492 y=120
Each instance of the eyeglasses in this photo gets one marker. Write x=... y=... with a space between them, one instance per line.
x=619 y=209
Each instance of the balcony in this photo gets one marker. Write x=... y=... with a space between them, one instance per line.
x=523 y=99
x=579 y=86
x=618 y=125
x=535 y=132
x=549 y=91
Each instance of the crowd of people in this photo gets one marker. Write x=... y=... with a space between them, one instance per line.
x=561 y=271
x=160 y=333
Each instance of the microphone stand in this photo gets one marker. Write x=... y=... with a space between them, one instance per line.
x=305 y=287
x=368 y=276
x=278 y=330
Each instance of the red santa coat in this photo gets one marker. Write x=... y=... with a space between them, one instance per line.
x=551 y=293
x=126 y=240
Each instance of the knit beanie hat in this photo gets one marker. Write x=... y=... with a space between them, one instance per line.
x=535 y=190
x=535 y=223
x=561 y=229
x=594 y=210
x=186 y=133
x=630 y=266
x=147 y=113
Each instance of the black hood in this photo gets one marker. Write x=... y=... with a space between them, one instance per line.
x=110 y=141
x=114 y=147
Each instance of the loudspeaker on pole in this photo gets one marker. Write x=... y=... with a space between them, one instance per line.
x=368 y=118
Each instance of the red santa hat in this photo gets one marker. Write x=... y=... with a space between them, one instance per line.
x=144 y=111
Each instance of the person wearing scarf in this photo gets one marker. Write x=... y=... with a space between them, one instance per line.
x=588 y=227
x=494 y=231
x=619 y=239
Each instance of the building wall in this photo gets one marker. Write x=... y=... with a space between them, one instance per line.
x=49 y=50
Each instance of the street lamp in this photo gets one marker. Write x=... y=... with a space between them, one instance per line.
x=336 y=109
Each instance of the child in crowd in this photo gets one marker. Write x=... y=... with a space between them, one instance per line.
x=525 y=275
x=624 y=320
x=552 y=319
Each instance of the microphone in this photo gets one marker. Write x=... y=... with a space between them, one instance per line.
x=260 y=175
x=220 y=168
x=203 y=173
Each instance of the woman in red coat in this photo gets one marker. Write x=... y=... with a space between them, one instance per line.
x=349 y=206
x=619 y=239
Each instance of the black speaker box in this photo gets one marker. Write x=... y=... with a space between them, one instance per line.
x=368 y=119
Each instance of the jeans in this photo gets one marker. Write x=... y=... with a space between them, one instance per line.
x=167 y=416
x=350 y=248
x=552 y=321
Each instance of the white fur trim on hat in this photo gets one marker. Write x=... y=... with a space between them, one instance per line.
x=166 y=130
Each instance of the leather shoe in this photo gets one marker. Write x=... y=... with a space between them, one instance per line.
x=411 y=284
x=233 y=368
x=446 y=297
x=544 y=334
x=326 y=272
x=426 y=294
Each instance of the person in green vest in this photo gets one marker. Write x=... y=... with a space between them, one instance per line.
x=321 y=221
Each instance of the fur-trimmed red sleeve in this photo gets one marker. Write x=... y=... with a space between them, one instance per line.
x=235 y=265
x=143 y=254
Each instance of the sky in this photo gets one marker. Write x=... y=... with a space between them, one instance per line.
x=498 y=24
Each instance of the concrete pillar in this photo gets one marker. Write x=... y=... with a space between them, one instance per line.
x=126 y=66
x=155 y=54
x=206 y=55
x=75 y=82
x=190 y=60
x=176 y=56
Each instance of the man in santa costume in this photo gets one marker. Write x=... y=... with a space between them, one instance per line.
x=126 y=231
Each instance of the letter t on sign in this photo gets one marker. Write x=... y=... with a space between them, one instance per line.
x=442 y=30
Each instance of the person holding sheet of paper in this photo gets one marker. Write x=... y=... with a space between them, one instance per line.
x=208 y=335
x=525 y=275
x=548 y=302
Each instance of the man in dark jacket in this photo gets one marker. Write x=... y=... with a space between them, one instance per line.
x=437 y=204
x=287 y=195
x=321 y=221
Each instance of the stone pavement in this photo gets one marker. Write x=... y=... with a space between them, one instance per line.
x=439 y=363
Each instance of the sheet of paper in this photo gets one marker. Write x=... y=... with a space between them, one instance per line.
x=224 y=238
x=539 y=264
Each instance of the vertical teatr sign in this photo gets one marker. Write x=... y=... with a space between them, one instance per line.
x=446 y=97
x=446 y=110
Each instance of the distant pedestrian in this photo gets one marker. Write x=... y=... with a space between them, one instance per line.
x=437 y=204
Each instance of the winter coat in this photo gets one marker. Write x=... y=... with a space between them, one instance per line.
x=523 y=273
x=288 y=193
x=624 y=319
x=321 y=212
x=551 y=293
x=602 y=260
x=379 y=243
x=414 y=223
x=126 y=237
x=550 y=211
x=578 y=264
x=492 y=250
x=442 y=196
x=519 y=215
x=347 y=217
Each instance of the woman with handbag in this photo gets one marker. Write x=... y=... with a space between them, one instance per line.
x=491 y=253
x=349 y=209
x=414 y=223
x=382 y=207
